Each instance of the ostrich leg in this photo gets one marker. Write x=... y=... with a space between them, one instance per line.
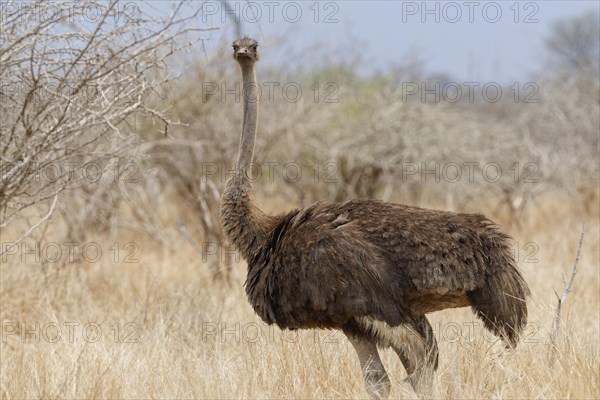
x=376 y=379
x=413 y=341
x=417 y=350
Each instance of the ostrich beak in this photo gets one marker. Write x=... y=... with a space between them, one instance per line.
x=243 y=53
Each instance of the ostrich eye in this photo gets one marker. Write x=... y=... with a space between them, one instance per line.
x=254 y=48
x=235 y=47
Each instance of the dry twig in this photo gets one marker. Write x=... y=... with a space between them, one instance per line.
x=563 y=298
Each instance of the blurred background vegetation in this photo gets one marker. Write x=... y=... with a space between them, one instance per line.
x=163 y=162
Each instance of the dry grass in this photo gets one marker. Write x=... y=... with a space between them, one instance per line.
x=192 y=337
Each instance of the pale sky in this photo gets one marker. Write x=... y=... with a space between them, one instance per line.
x=499 y=41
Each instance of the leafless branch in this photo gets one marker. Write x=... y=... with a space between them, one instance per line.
x=33 y=227
x=561 y=300
x=71 y=85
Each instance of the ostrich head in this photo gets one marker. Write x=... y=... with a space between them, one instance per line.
x=245 y=51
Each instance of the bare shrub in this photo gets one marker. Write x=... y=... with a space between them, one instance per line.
x=76 y=82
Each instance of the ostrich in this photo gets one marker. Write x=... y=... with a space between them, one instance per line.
x=369 y=268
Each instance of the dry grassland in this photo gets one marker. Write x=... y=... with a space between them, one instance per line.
x=161 y=327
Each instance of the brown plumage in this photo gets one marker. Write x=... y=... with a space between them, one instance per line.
x=370 y=268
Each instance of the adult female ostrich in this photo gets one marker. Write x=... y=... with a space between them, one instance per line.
x=370 y=268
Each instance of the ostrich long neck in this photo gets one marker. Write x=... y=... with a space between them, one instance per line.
x=250 y=120
x=243 y=221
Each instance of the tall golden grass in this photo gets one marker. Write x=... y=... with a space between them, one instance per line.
x=161 y=326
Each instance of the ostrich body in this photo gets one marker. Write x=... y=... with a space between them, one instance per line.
x=370 y=268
